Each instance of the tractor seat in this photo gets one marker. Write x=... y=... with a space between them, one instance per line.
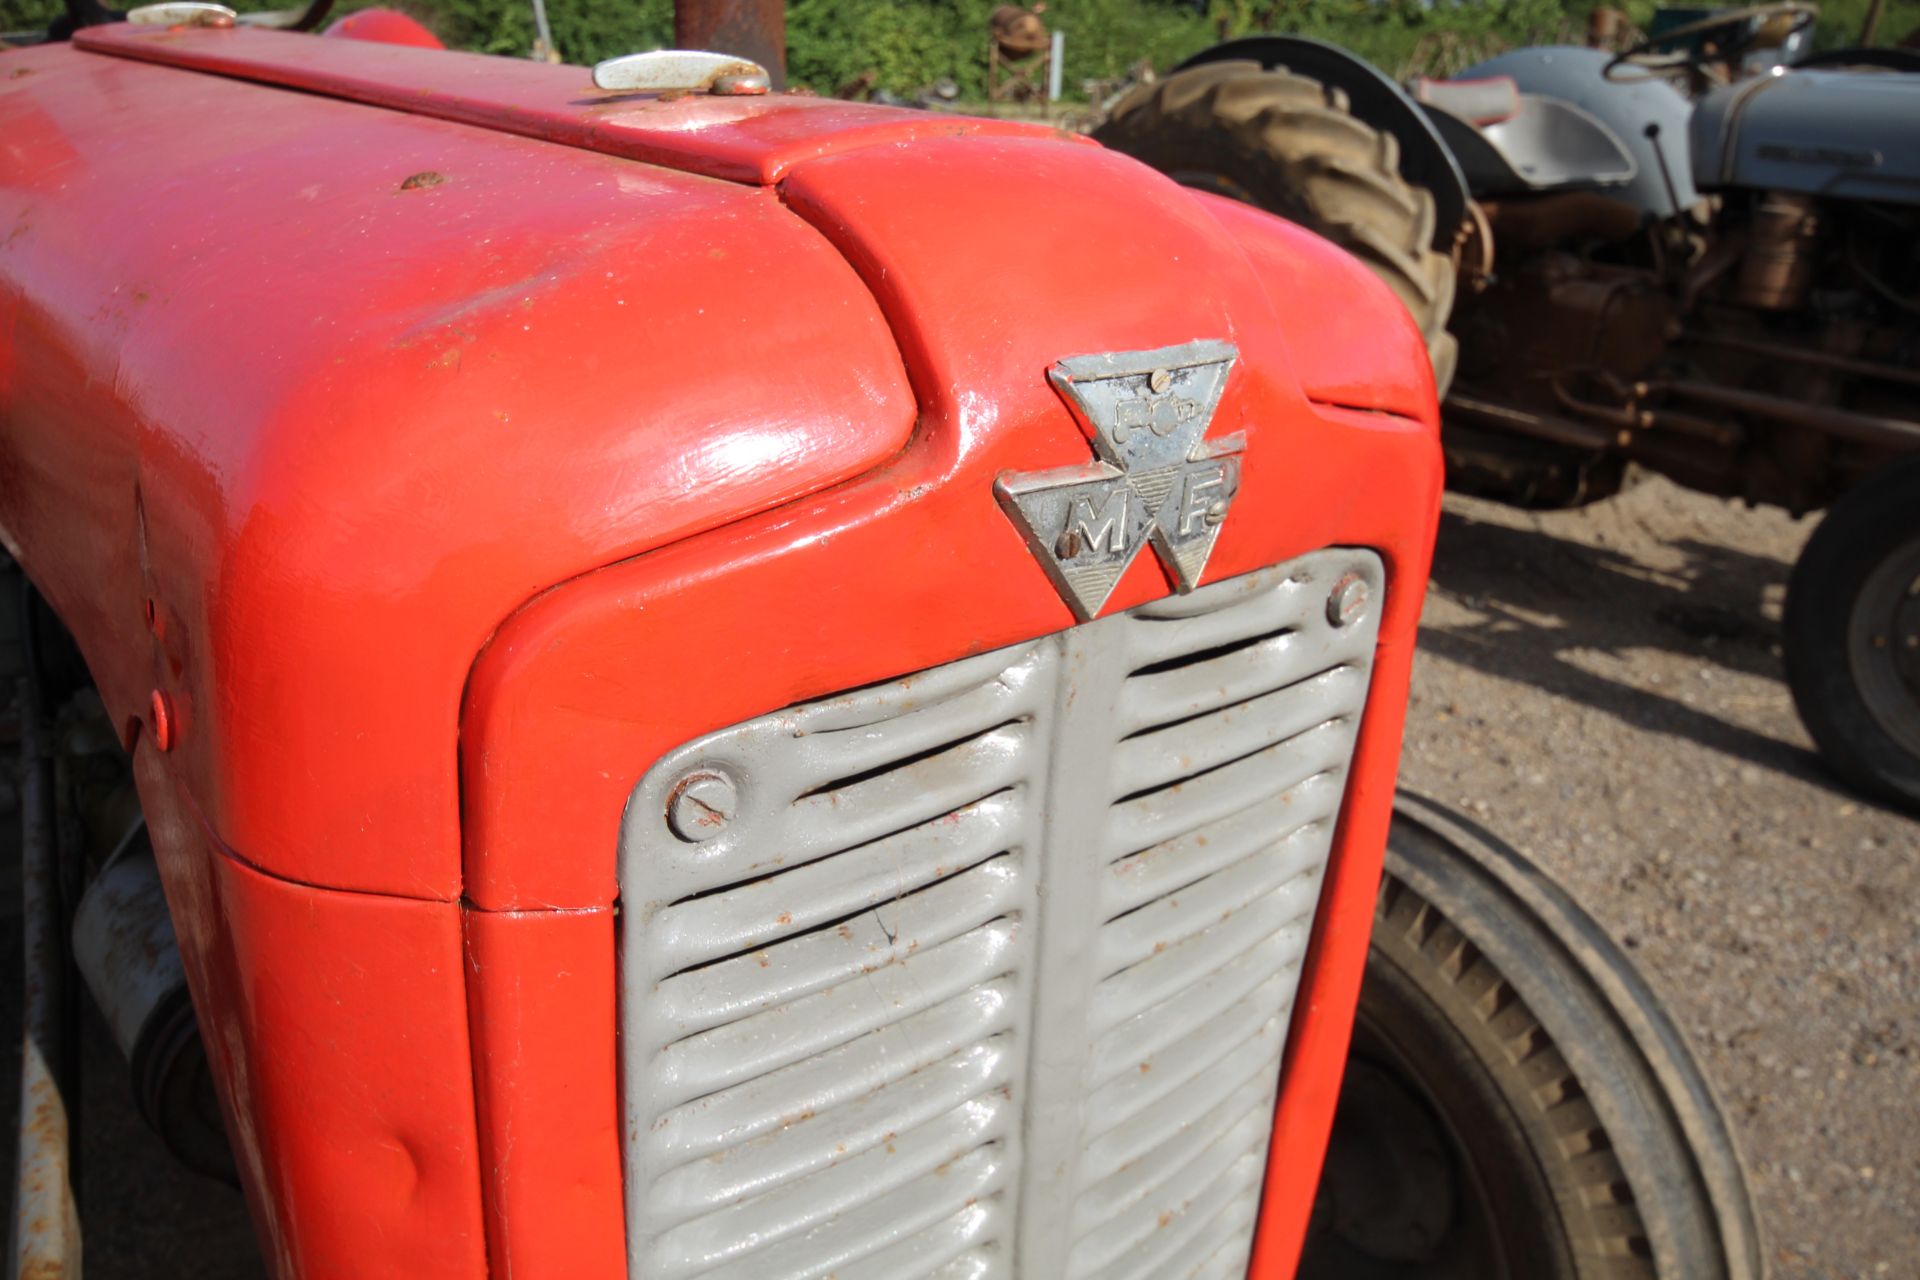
x=1478 y=102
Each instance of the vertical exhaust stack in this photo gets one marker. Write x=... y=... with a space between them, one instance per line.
x=751 y=29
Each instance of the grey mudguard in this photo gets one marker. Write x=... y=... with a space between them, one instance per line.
x=1545 y=144
x=1625 y=109
x=988 y=971
x=1847 y=135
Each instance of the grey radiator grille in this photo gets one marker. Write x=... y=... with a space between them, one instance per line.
x=987 y=971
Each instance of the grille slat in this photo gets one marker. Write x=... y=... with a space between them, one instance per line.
x=1126 y=1227
x=1120 y=1146
x=1130 y=1093
x=1122 y=1192
x=975 y=1266
x=1181 y=693
x=947 y=1250
x=790 y=1210
x=1187 y=806
x=892 y=930
x=1169 y=921
x=1230 y=1260
x=1145 y=1034
x=1001 y=678
x=831 y=888
x=716 y=1121
x=918 y=793
x=1228 y=1208
x=1177 y=863
x=801 y=1147
x=832 y=1247
x=1245 y=608
x=774 y=1038
x=935 y=714
x=1219 y=737
x=1166 y=974
x=989 y=971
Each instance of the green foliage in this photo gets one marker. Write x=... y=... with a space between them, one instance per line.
x=1840 y=22
x=905 y=45
x=583 y=30
x=27 y=15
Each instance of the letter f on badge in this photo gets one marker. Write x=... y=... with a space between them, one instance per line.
x=1158 y=478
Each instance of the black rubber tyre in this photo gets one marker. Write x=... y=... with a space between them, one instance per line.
x=1517 y=1104
x=1852 y=634
x=1289 y=144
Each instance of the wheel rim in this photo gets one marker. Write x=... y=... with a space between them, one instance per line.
x=1428 y=1174
x=1400 y=1197
x=1883 y=645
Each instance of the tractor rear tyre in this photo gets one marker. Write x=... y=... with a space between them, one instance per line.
x=1517 y=1104
x=1289 y=145
x=1852 y=634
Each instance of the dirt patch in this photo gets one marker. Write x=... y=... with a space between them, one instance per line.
x=1604 y=689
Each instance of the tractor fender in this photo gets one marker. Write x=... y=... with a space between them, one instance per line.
x=1375 y=99
x=1647 y=117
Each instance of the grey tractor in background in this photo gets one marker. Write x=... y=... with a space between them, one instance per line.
x=1699 y=256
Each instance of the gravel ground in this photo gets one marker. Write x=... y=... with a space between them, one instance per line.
x=1603 y=688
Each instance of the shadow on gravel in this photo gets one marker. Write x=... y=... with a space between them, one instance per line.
x=1541 y=598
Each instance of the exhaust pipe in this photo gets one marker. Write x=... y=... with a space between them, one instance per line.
x=124 y=946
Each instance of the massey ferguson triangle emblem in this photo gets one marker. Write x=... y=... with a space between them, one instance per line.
x=1158 y=479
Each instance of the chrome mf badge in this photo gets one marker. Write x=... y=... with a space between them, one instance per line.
x=1158 y=480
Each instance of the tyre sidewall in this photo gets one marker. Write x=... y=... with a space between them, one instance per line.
x=1862 y=530
x=1627 y=1096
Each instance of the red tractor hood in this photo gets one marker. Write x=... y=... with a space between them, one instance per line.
x=302 y=394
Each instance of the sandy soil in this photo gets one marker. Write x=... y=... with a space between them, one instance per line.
x=1603 y=688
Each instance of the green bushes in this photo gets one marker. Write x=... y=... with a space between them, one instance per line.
x=583 y=30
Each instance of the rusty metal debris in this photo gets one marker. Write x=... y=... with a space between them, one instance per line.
x=1019 y=54
x=46 y=1229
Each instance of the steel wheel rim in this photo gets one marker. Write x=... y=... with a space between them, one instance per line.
x=1883 y=645
x=1467 y=1197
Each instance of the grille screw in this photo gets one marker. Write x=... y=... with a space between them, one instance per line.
x=701 y=805
x=1347 y=600
x=1158 y=381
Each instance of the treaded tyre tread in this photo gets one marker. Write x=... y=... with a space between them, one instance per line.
x=1596 y=1144
x=1873 y=522
x=1289 y=144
